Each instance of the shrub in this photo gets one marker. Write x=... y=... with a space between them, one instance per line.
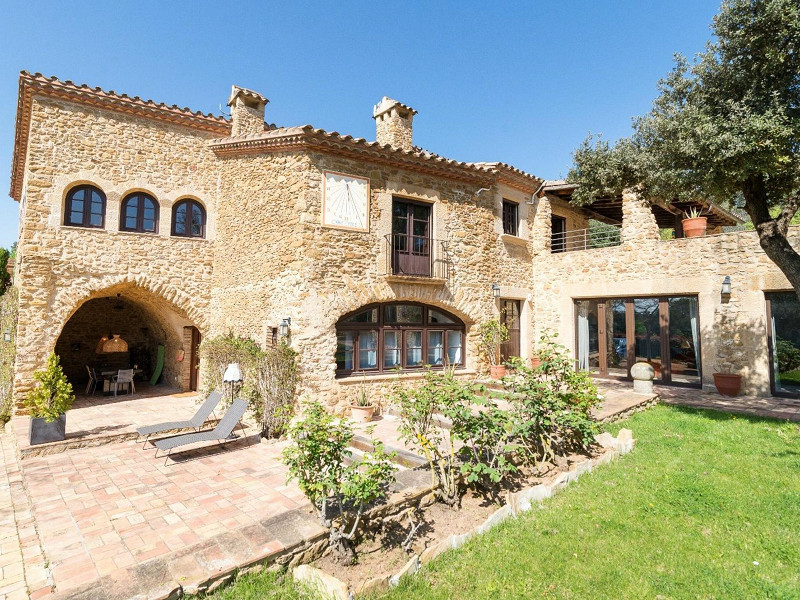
x=272 y=376
x=788 y=356
x=317 y=458
x=218 y=352
x=8 y=322
x=552 y=404
x=53 y=394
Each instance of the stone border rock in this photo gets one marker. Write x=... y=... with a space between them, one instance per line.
x=331 y=588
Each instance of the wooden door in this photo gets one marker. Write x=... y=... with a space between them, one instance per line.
x=509 y=316
x=558 y=234
x=411 y=243
x=194 y=359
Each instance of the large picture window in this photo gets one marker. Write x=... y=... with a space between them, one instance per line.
x=85 y=207
x=188 y=219
x=783 y=333
x=386 y=337
x=612 y=334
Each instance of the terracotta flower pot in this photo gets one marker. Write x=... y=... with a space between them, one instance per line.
x=361 y=414
x=728 y=384
x=695 y=227
x=497 y=371
x=535 y=362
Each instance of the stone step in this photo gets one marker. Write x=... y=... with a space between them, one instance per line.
x=403 y=457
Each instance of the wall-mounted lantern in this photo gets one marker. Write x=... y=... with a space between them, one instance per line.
x=495 y=290
x=283 y=330
x=726 y=286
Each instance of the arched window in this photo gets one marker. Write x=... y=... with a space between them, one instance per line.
x=385 y=337
x=139 y=212
x=85 y=207
x=189 y=219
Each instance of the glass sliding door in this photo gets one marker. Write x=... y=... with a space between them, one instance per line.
x=783 y=332
x=616 y=338
x=588 y=335
x=647 y=332
x=684 y=340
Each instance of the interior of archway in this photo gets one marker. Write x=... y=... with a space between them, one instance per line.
x=143 y=320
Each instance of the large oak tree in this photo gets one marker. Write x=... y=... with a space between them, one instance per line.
x=725 y=127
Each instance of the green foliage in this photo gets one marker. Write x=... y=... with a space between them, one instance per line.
x=8 y=351
x=788 y=356
x=552 y=404
x=52 y=395
x=491 y=335
x=5 y=277
x=318 y=457
x=269 y=378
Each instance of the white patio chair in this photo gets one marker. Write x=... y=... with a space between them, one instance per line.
x=124 y=376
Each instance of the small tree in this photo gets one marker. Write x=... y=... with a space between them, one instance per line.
x=318 y=458
x=272 y=376
x=491 y=335
x=53 y=395
x=8 y=352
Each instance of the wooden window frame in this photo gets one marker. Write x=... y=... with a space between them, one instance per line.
x=139 y=197
x=381 y=327
x=510 y=217
x=771 y=347
x=630 y=337
x=561 y=245
x=87 y=207
x=188 y=202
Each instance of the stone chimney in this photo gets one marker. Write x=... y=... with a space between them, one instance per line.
x=393 y=123
x=247 y=111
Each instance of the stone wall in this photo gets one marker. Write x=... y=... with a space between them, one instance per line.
x=732 y=330
x=61 y=267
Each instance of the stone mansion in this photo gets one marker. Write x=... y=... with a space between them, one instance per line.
x=162 y=226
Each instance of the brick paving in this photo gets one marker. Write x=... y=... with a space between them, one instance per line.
x=771 y=407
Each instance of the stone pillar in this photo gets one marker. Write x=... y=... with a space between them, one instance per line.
x=541 y=228
x=393 y=124
x=247 y=111
x=638 y=221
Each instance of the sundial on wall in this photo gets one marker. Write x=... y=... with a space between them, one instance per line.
x=345 y=201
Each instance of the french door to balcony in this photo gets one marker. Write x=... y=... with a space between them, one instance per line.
x=411 y=240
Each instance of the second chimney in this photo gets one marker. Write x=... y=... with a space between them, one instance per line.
x=247 y=111
x=393 y=124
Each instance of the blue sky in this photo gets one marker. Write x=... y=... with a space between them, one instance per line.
x=517 y=82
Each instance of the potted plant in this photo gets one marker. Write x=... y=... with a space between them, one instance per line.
x=491 y=335
x=694 y=225
x=362 y=409
x=48 y=403
x=728 y=384
x=535 y=361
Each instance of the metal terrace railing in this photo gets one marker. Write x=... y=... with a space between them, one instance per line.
x=597 y=236
x=417 y=256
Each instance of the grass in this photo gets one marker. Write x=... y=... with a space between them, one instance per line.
x=707 y=506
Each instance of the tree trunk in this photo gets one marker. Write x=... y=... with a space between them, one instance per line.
x=772 y=230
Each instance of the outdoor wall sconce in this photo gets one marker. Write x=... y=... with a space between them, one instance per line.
x=7 y=335
x=495 y=290
x=726 y=286
x=284 y=327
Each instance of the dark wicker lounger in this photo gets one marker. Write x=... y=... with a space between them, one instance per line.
x=206 y=408
x=221 y=432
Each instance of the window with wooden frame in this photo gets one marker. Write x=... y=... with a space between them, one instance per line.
x=386 y=337
x=510 y=217
x=189 y=219
x=85 y=206
x=139 y=212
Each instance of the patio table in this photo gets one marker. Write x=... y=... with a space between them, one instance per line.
x=108 y=390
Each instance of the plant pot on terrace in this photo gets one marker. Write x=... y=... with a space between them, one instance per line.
x=497 y=371
x=48 y=403
x=491 y=336
x=693 y=224
x=361 y=414
x=728 y=384
x=535 y=362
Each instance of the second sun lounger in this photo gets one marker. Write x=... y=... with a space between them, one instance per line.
x=206 y=408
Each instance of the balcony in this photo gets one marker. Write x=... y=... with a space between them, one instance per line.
x=415 y=257
x=599 y=236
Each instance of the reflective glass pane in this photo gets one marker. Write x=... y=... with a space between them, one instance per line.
x=368 y=350
x=454 y=346
x=617 y=344
x=76 y=208
x=366 y=316
x=402 y=313
x=647 y=331
x=785 y=324
x=588 y=336
x=344 y=350
x=436 y=348
x=180 y=220
x=131 y=208
x=435 y=317
x=684 y=340
x=392 y=348
x=197 y=221
x=413 y=348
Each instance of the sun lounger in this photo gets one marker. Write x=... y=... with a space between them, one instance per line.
x=221 y=432
x=206 y=408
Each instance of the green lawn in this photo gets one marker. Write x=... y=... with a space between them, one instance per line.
x=707 y=506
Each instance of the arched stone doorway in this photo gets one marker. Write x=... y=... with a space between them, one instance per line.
x=142 y=319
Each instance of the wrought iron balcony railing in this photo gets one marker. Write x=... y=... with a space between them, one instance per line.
x=417 y=256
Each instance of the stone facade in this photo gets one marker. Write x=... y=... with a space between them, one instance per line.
x=267 y=256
